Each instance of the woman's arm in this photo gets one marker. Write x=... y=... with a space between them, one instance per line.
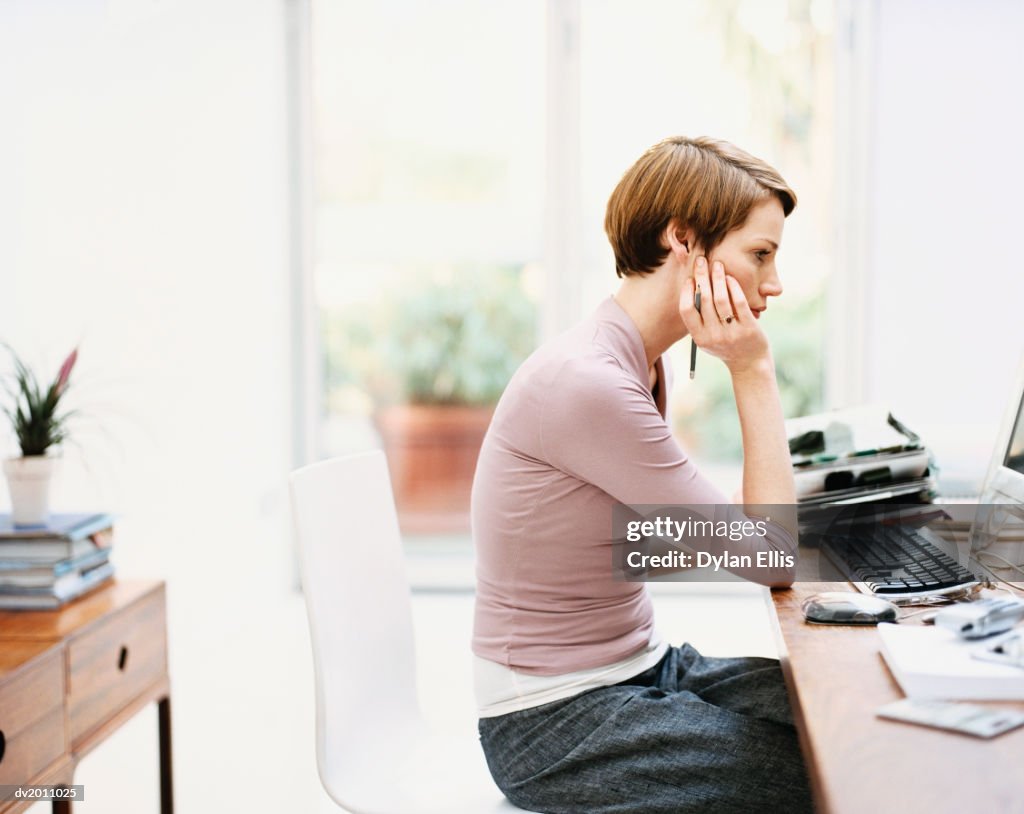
x=602 y=427
x=767 y=467
x=742 y=345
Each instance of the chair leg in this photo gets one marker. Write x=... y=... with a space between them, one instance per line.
x=166 y=778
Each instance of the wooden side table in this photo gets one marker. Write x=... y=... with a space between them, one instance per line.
x=69 y=678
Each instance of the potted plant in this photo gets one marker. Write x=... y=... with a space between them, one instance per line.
x=39 y=429
x=435 y=358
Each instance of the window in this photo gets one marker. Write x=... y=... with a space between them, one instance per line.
x=463 y=155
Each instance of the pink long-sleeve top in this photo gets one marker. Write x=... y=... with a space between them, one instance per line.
x=576 y=431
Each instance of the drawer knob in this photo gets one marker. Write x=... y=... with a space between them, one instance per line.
x=3 y=745
x=122 y=658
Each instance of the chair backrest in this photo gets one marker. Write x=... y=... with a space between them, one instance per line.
x=359 y=608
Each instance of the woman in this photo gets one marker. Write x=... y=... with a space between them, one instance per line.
x=583 y=708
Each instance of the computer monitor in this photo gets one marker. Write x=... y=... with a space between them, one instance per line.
x=1005 y=480
x=997 y=533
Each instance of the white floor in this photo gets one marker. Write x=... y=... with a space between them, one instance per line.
x=243 y=696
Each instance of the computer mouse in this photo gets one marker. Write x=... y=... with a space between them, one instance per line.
x=848 y=608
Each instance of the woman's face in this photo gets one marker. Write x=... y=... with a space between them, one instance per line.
x=748 y=254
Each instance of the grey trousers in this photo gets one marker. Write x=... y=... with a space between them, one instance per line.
x=692 y=733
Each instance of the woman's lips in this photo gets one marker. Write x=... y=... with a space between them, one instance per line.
x=758 y=312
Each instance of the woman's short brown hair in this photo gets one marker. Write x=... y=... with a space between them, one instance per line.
x=704 y=184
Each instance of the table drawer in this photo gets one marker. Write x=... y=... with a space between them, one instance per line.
x=30 y=690
x=28 y=752
x=114 y=662
x=31 y=716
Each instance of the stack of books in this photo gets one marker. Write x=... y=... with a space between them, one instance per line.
x=45 y=566
x=858 y=455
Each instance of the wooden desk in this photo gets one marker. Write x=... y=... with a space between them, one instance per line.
x=857 y=762
x=71 y=677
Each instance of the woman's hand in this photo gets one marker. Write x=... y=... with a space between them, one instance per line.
x=725 y=326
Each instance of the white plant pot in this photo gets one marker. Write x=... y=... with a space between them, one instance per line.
x=28 y=479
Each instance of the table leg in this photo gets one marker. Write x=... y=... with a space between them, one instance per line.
x=166 y=779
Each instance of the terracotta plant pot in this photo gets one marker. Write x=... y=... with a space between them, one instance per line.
x=432 y=452
x=28 y=479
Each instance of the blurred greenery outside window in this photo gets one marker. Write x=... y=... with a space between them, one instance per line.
x=456 y=342
x=429 y=179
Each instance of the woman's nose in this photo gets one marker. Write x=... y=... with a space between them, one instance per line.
x=771 y=286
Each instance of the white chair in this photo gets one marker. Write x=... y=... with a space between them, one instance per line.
x=375 y=753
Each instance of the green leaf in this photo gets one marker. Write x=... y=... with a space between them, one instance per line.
x=33 y=410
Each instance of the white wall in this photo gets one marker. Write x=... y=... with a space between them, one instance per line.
x=945 y=267
x=143 y=214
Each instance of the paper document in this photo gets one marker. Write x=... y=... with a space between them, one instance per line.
x=931 y=662
x=854 y=431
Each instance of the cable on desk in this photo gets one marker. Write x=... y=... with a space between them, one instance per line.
x=1006 y=563
x=992 y=569
x=929 y=609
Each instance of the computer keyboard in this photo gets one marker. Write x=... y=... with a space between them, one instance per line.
x=894 y=560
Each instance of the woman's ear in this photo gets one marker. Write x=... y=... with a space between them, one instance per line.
x=680 y=241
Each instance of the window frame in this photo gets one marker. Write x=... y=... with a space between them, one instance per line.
x=845 y=356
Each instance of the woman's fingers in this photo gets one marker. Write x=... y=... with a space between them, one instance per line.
x=688 y=306
x=700 y=275
x=725 y=326
x=723 y=307
x=692 y=317
x=741 y=308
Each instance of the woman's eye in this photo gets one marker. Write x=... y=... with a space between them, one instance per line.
x=761 y=254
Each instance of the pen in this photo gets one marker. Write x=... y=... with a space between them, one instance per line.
x=693 y=345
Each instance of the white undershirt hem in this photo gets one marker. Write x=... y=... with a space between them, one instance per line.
x=501 y=690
